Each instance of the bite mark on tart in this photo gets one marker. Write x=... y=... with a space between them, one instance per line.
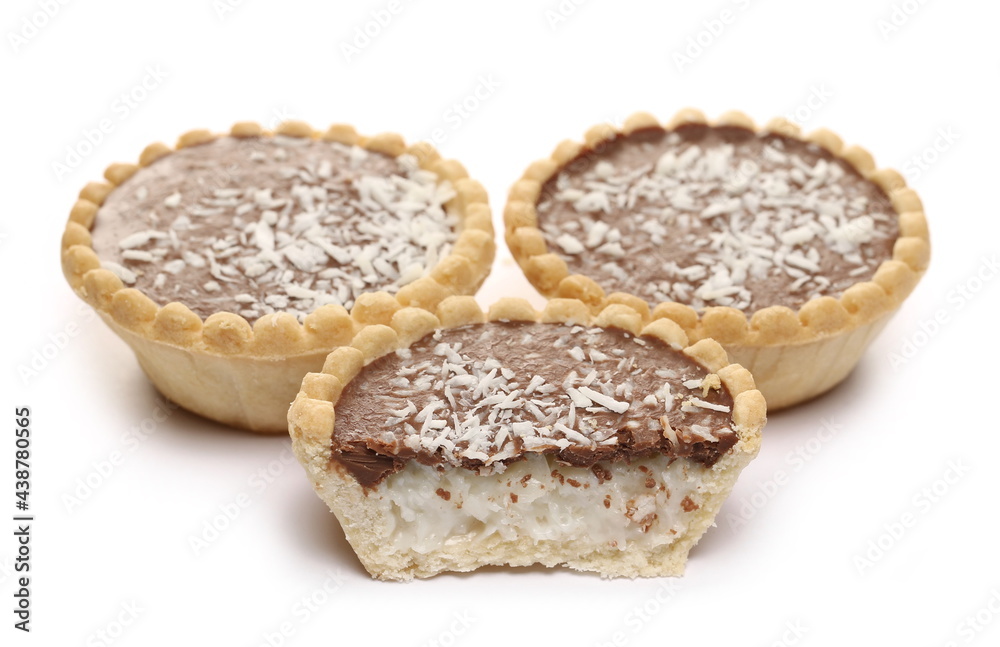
x=559 y=437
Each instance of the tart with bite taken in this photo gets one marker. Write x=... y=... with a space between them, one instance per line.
x=456 y=440
x=229 y=264
x=792 y=251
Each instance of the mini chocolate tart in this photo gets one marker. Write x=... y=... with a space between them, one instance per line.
x=453 y=441
x=791 y=251
x=229 y=265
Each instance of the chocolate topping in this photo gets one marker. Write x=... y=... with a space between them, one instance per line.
x=481 y=396
x=263 y=224
x=717 y=216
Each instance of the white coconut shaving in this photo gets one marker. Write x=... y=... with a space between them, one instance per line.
x=335 y=224
x=451 y=400
x=765 y=218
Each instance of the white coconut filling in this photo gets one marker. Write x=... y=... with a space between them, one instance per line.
x=644 y=505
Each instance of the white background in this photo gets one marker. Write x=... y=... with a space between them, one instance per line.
x=792 y=573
